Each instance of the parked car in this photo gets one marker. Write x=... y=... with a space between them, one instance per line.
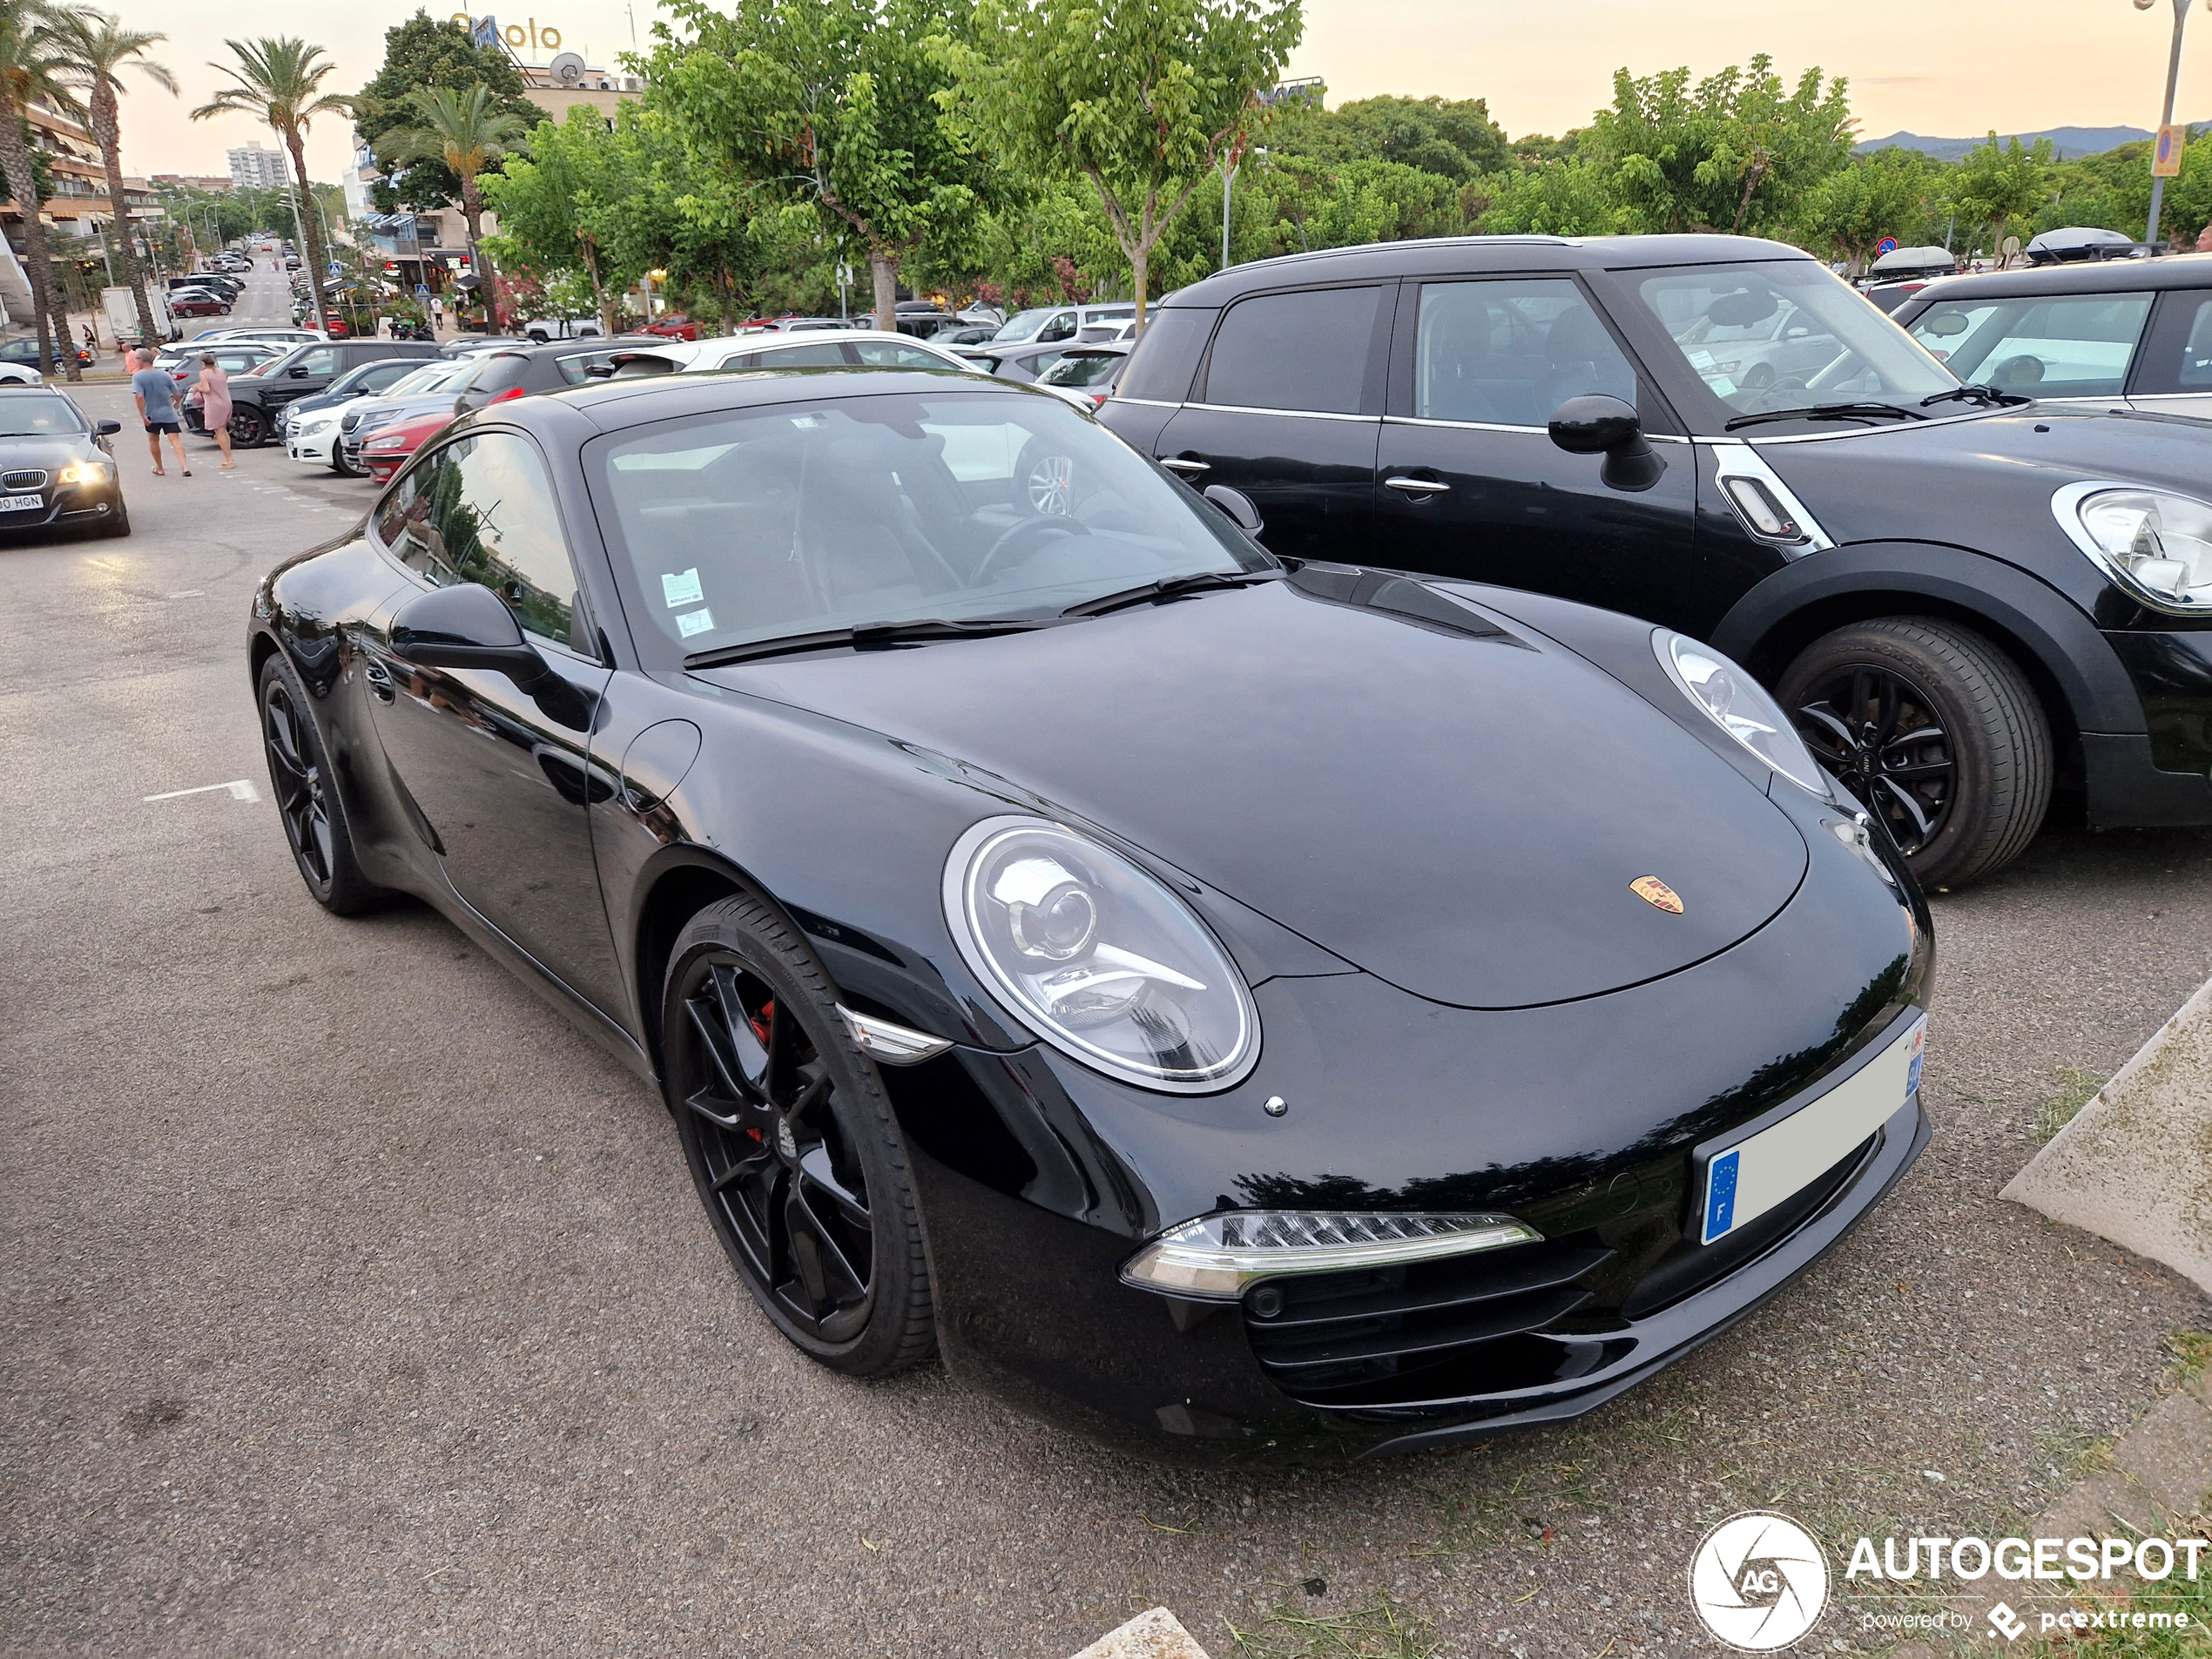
x=57 y=467
x=1022 y=360
x=1043 y=325
x=674 y=326
x=388 y=450
x=237 y=359
x=848 y=348
x=22 y=353
x=1902 y=272
x=1190 y=1169
x=2124 y=334
x=430 y=389
x=1085 y=373
x=304 y=371
x=1965 y=600
x=309 y=426
x=198 y=302
x=489 y=377
x=550 y=328
x=285 y=337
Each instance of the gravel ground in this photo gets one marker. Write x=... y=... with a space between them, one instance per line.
x=358 y=1305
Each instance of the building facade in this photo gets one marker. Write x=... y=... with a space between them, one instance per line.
x=254 y=166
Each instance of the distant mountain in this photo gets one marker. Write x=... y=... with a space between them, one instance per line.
x=2070 y=142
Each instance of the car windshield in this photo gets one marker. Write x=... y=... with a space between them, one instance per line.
x=2073 y=345
x=796 y=519
x=37 y=417
x=1081 y=369
x=435 y=377
x=1785 y=336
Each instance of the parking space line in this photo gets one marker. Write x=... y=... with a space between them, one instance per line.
x=241 y=788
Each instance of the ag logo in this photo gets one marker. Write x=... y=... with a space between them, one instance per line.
x=1758 y=1581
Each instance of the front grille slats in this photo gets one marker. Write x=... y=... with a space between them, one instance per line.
x=1308 y=1307
x=1389 y=1338
x=23 y=478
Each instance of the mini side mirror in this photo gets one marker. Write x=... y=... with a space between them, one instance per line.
x=107 y=428
x=1598 y=423
x=1237 y=507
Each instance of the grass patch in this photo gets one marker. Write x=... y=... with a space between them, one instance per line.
x=2179 y=1595
x=2192 y=1352
x=1377 y=1630
x=2076 y=1090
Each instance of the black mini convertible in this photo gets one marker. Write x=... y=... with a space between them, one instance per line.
x=1268 y=1007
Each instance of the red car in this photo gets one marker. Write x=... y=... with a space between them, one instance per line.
x=675 y=326
x=387 y=451
x=198 y=305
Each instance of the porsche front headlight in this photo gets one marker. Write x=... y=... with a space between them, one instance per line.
x=1740 y=707
x=2156 y=545
x=1098 y=958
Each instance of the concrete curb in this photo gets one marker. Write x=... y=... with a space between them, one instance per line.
x=1154 y=1634
x=2135 y=1165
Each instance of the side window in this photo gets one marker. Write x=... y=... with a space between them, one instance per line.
x=1060 y=327
x=2196 y=352
x=322 y=360
x=889 y=353
x=2178 y=356
x=385 y=375
x=1166 y=354
x=491 y=520
x=403 y=522
x=1295 y=351
x=823 y=355
x=1511 y=351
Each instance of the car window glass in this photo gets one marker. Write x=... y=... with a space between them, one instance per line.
x=1166 y=354
x=30 y=417
x=1060 y=327
x=2075 y=345
x=825 y=355
x=487 y=516
x=1294 y=351
x=890 y=353
x=324 y=360
x=381 y=375
x=403 y=521
x=1080 y=368
x=2195 y=374
x=1511 y=351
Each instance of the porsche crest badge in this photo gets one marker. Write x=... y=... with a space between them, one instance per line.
x=1657 y=894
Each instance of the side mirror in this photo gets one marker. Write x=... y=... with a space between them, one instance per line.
x=467 y=627
x=1598 y=423
x=107 y=428
x=1237 y=507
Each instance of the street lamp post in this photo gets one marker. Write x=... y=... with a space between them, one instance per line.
x=2173 y=77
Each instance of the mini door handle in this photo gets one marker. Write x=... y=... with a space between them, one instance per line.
x=1178 y=463
x=1415 y=486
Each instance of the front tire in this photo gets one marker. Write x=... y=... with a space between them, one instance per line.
x=792 y=1143
x=1935 y=728
x=306 y=788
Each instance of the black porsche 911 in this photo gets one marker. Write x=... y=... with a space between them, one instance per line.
x=1211 y=998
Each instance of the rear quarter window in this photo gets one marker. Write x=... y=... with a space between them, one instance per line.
x=1161 y=368
x=1305 y=352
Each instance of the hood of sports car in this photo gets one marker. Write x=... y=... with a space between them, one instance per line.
x=1466 y=815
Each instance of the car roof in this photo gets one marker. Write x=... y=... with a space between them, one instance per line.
x=1450 y=255
x=2084 y=276
x=616 y=404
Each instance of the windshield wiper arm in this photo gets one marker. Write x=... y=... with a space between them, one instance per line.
x=1169 y=586
x=862 y=636
x=1825 y=412
x=1980 y=393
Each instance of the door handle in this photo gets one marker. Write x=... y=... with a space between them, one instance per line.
x=380 y=681
x=1182 y=463
x=1415 y=486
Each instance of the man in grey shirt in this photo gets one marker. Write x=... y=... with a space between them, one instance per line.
x=157 y=398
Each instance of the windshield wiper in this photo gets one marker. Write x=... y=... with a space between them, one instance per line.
x=867 y=635
x=1169 y=586
x=1983 y=394
x=1826 y=411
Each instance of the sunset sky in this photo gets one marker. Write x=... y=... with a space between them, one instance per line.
x=1948 y=67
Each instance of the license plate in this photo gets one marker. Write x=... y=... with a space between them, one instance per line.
x=21 y=503
x=1746 y=1180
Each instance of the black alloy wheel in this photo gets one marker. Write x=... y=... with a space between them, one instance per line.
x=249 y=427
x=307 y=797
x=1935 y=730
x=792 y=1143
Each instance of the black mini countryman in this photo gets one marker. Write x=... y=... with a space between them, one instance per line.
x=1966 y=599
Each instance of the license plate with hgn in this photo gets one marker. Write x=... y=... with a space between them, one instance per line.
x=21 y=503
x=1746 y=1180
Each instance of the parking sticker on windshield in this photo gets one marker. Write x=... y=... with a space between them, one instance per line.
x=681 y=589
x=694 y=621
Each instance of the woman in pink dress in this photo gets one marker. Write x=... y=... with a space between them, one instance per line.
x=214 y=389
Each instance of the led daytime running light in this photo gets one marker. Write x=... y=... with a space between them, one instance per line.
x=1216 y=1257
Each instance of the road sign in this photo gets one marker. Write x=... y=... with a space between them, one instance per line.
x=422 y=291
x=2166 y=154
x=337 y=269
x=1888 y=245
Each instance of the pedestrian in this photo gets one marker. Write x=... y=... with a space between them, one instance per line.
x=91 y=343
x=156 y=396
x=214 y=388
x=437 y=314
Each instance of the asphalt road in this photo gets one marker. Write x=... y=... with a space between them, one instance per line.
x=355 y=1305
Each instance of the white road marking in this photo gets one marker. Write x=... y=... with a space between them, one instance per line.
x=189 y=593
x=239 y=787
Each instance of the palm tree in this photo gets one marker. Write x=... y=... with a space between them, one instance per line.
x=100 y=49
x=279 y=81
x=33 y=65
x=462 y=128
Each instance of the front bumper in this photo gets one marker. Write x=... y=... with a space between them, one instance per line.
x=68 y=504
x=313 y=449
x=2164 y=775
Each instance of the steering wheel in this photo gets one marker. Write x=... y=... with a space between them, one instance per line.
x=1045 y=524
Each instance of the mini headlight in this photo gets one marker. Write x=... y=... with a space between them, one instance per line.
x=1740 y=706
x=1214 y=1258
x=1098 y=958
x=2156 y=545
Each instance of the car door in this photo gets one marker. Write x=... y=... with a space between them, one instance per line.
x=496 y=781
x=311 y=371
x=2172 y=371
x=1286 y=408
x=1469 y=483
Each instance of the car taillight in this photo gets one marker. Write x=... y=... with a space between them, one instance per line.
x=512 y=391
x=1098 y=399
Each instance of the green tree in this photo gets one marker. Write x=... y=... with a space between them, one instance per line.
x=1143 y=99
x=1734 y=153
x=34 y=64
x=1318 y=206
x=1456 y=138
x=424 y=52
x=100 y=49
x=1886 y=193
x=279 y=81
x=832 y=104
x=552 y=206
x=1573 y=197
x=1994 y=183
x=466 y=131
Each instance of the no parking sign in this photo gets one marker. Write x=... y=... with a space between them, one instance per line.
x=1888 y=245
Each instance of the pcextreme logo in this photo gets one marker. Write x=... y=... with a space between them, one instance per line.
x=1758 y=1581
